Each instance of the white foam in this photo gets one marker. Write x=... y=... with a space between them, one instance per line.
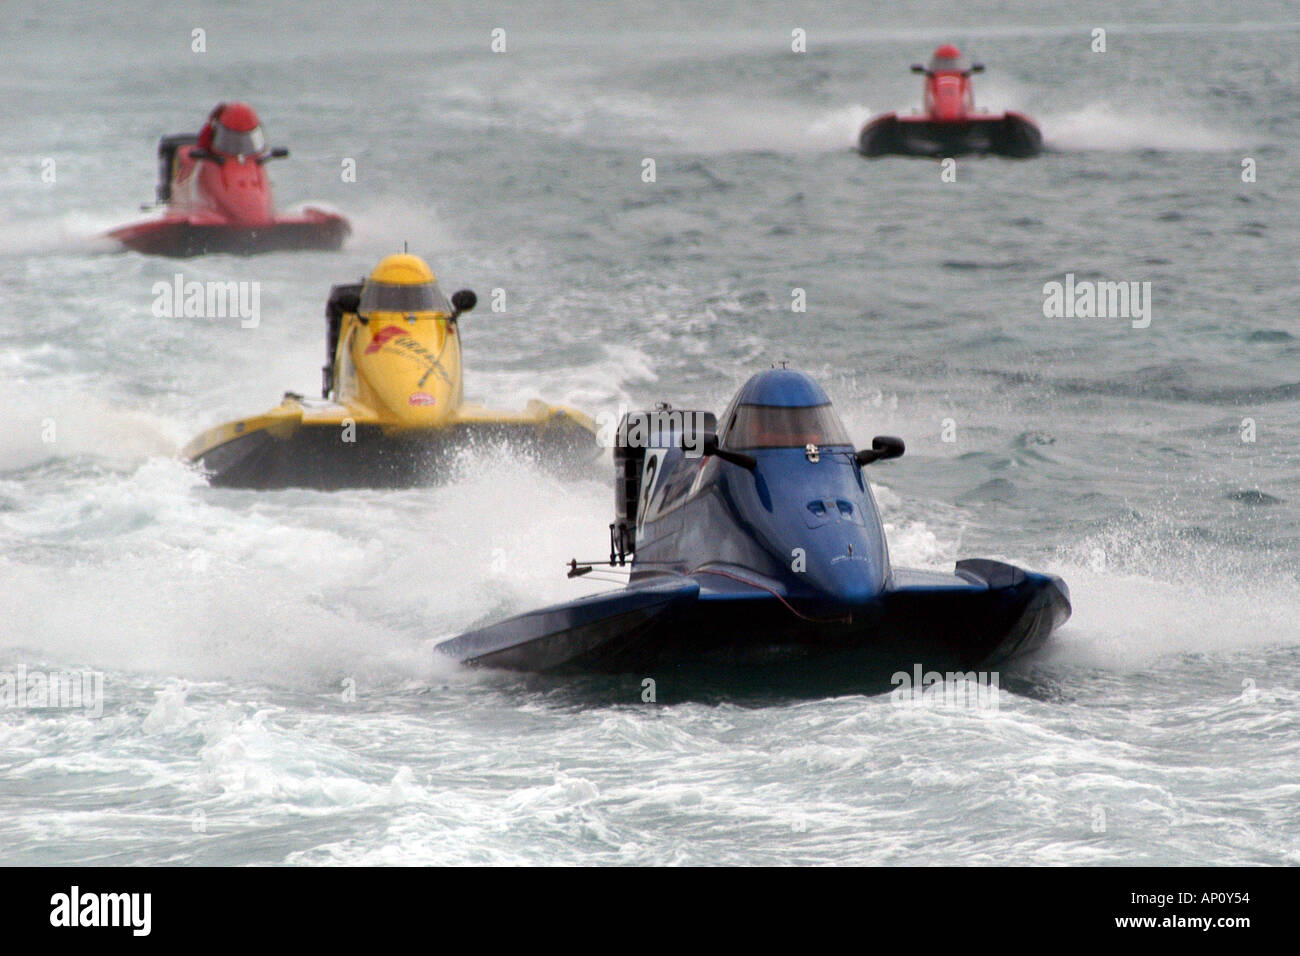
x=1124 y=621
x=718 y=126
x=61 y=424
x=293 y=588
x=1102 y=126
x=78 y=232
x=380 y=227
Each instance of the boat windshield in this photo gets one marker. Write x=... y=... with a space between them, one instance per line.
x=958 y=64
x=780 y=426
x=390 y=297
x=232 y=143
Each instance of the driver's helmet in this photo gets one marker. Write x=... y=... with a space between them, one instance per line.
x=403 y=284
x=947 y=58
x=236 y=131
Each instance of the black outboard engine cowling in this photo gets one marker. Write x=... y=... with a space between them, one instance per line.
x=167 y=147
x=665 y=427
x=343 y=299
x=628 y=460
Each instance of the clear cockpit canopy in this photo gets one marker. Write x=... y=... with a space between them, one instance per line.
x=943 y=63
x=783 y=426
x=405 y=298
x=233 y=143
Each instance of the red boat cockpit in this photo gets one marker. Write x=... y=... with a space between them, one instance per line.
x=949 y=93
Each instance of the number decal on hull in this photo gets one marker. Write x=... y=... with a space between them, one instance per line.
x=649 y=474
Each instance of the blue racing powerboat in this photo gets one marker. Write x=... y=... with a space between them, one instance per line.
x=760 y=542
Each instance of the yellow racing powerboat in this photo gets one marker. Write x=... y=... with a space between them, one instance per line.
x=392 y=411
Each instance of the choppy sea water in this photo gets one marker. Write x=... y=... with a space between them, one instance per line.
x=270 y=694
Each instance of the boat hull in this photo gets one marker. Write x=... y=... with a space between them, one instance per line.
x=183 y=237
x=1010 y=134
x=318 y=457
x=673 y=624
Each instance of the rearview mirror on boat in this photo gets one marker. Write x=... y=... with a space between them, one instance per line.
x=709 y=446
x=463 y=301
x=918 y=68
x=883 y=447
x=977 y=67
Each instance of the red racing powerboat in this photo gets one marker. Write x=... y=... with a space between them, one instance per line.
x=217 y=196
x=949 y=124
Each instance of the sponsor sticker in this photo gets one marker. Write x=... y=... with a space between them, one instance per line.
x=382 y=336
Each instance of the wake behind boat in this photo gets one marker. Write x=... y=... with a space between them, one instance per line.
x=762 y=543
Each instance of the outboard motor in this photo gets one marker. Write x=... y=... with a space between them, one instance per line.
x=665 y=427
x=343 y=299
x=628 y=460
x=167 y=147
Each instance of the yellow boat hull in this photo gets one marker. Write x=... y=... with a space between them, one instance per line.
x=393 y=415
x=332 y=448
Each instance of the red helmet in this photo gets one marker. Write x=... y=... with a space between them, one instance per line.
x=947 y=57
x=238 y=117
x=236 y=130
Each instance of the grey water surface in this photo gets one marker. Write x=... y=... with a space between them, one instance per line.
x=271 y=693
